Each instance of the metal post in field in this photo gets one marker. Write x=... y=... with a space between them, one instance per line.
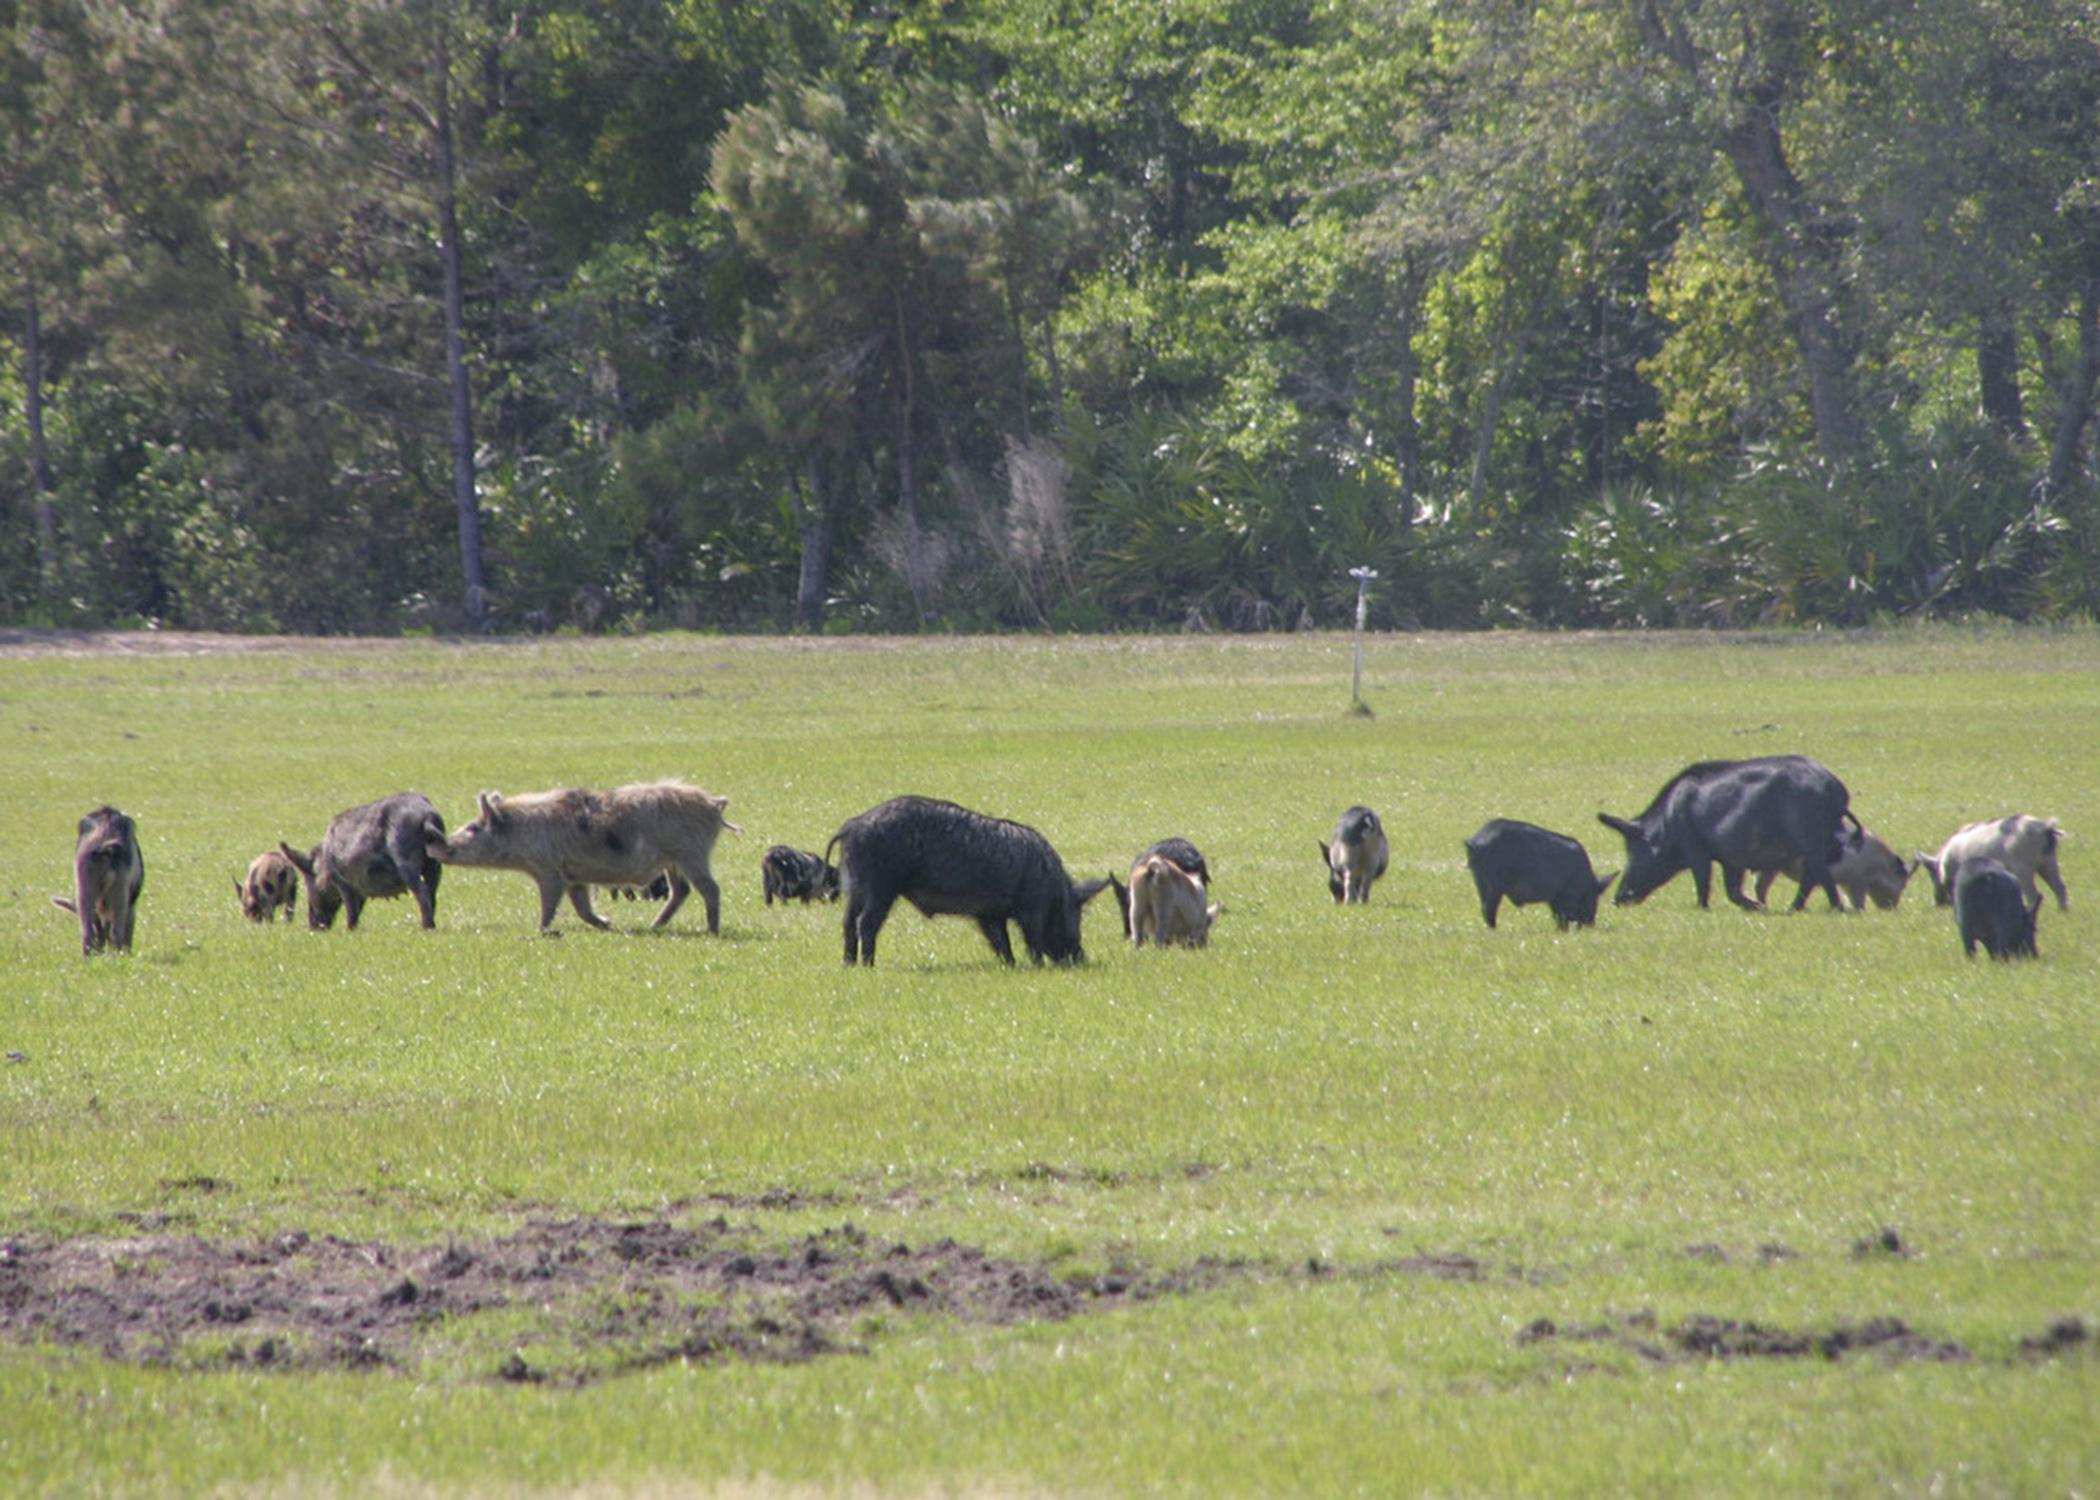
x=1363 y=577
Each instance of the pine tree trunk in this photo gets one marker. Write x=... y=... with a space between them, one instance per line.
x=2076 y=410
x=474 y=580
x=907 y=470
x=814 y=517
x=1805 y=265
x=41 y=479
x=1998 y=371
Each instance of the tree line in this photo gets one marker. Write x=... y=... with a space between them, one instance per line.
x=372 y=315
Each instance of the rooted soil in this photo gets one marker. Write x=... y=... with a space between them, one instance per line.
x=602 y=1297
x=576 y=1300
x=1705 y=1337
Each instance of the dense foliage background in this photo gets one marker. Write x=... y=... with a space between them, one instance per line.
x=333 y=315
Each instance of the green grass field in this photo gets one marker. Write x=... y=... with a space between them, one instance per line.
x=1358 y=1154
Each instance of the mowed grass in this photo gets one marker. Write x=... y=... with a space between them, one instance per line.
x=1353 y=1088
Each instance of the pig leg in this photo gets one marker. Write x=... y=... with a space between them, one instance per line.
x=1764 y=884
x=994 y=930
x=871 y=917
x=1732 y=885
x=1813 y=875
x=852 y=923
x=83 y=905
x=1490 y=903
x=680 y=889
x=2049 y=873
x=552 y=889
x=1702 y=881
x=426 y=891
x=353 y=906
x=580 y=898
x=711 y=897
x=121 y=914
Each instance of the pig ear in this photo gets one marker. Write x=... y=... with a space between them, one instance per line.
x=1604 y=882
x=299 y=861
x=490 y=801
x=239 y=889
x=1084 y=891
x=1326 y=856
x=1618 y=825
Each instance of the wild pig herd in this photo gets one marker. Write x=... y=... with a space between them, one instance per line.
x=1767 y=817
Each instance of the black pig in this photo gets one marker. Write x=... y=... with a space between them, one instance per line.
x=949 y=861
x=1528 y=864
x=377 y=850
x=1990 y=909
x=796 y=874
x=1777 y=812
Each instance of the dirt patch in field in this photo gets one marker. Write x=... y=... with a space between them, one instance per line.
x=1702 y=1337
x=596 y=1297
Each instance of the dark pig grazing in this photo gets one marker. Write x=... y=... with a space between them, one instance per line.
x=570 y=840
x=272 y=882
x=949 y=861
x=1355 y=856
x=1175 y=851
x=796 y=874
x=1990 y=909
x=1866 y=869
x=372 y=852
x=1747 y=816
x=1166 y=905
x=1527 y=864
x=109 y=871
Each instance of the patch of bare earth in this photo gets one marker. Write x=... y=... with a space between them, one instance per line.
x=1705 y=1337
x=612 y=1296
x=581 y=1299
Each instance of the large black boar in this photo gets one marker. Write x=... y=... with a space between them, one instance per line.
x=571 y=840
x=948 y=861
x=1528 y=864
x=1866 y=869
x=369 y=853
x=1355 y=856
x=109 y=871
x=1990 y=909
x=1770 y=813
x=1175 y=851
x=796 y=874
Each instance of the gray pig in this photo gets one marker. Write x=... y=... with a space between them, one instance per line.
x=1866 y=869
x=371 y=852
x=1355 y=856
x=109 y=871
